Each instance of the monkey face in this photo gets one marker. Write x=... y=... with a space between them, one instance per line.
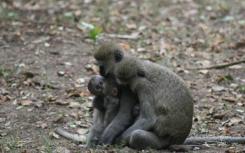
x=99 y=88
x=96 y=85
x=107 y=56
x=104 y=68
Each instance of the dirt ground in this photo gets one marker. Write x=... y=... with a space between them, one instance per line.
x=46 y=60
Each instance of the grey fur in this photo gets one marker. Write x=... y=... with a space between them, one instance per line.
x=166 y=105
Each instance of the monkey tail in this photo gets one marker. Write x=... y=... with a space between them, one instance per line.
x=70 y=136
x=202 y=140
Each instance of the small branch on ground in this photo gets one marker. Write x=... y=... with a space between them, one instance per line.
x=220 y=66
x=202 y=140
x=132 y=36
x=186 y=148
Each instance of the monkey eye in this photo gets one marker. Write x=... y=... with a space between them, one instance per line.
x=101 y=84
x=118 y=55
x=98 y=87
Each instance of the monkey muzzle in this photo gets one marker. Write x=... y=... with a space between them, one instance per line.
x=102 y=70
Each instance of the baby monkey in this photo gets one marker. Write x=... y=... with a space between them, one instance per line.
x=106 y=97
x=106 y=104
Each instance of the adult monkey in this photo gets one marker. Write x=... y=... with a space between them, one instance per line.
x=165 y=111
x=108 y=56
x=166 y=106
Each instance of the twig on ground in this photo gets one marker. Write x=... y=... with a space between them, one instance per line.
x=133 y=36
x=226 y=139
x=186 y=148
x=220 y=66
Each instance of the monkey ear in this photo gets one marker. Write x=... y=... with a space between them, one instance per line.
x=114 y=92
x=118 y=55
x=141 y=73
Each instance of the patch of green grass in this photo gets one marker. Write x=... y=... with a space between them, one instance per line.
x=4 y=72
x=48 y=145
x=241 y=89
x=92 y=30
x=228 y=78
x=94 y=33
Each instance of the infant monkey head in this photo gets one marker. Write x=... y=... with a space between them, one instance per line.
x=99 y=86
x=95 y=85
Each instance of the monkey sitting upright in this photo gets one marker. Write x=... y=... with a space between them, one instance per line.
x=166 y=106
x=106 y=105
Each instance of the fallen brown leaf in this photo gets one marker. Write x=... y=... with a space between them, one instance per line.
x=61 y=102
x=25 y=102
x=85 y=93
x=234 y=121
x=74 y=105
x=92 y=68
x=41 y=124
x=239 y=44
x=229 y=99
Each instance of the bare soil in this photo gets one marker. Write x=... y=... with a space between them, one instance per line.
x=46 y=61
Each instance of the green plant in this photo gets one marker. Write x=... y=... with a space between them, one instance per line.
x=94 y=33
x=241 y=88
x=4 y=72
x=48 y=145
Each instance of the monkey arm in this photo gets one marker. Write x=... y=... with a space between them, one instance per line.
x=96 y=130
x=98 y=103
x=122 y=120
x=145 y=120
x=114 y=129
x=111 y=105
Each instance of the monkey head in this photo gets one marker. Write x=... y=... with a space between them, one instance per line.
x=128 y=70
x=96 y=85
x=107 y=56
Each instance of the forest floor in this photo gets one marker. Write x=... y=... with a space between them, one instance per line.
x=46 y=60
